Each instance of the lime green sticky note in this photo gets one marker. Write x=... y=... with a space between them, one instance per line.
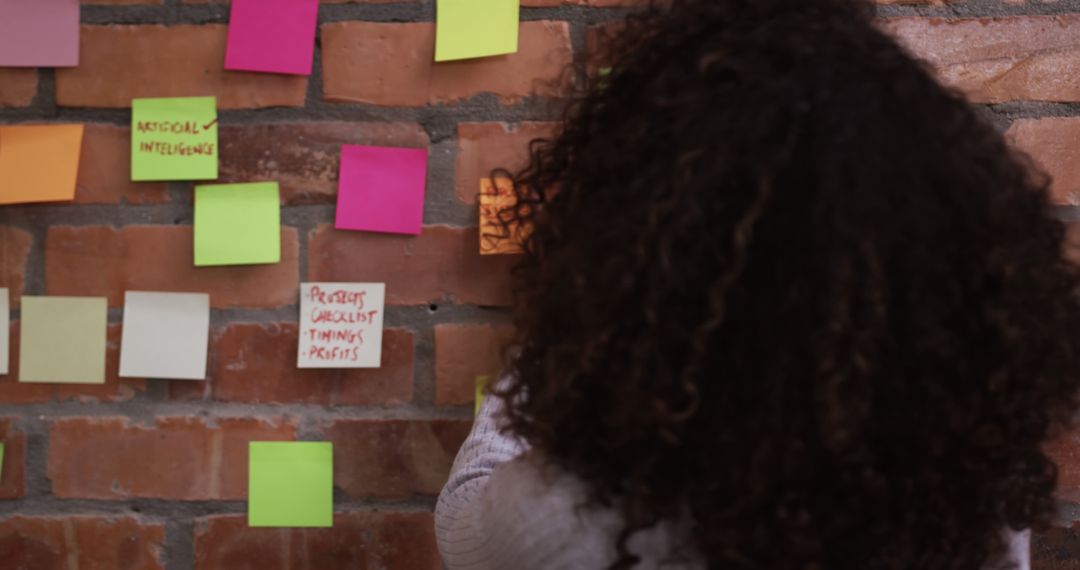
x=290 y=484
x=476 y=28
x=237 y=224
x=481 y=383
x=62 y=339
x=174 y=139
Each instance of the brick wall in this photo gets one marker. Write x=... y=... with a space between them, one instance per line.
x=151 y=474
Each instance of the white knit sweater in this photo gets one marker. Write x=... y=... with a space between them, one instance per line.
x=502 y=510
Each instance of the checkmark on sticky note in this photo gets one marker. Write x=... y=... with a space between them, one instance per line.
x=39 y=33
x=381 y=189
x=174 y=139
x=291 y=484
x=237 y=224
x=476 y=28
x=273 y=36
x=62 y=339
x=39 y=163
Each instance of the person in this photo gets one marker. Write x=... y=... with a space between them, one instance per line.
x=787 y=302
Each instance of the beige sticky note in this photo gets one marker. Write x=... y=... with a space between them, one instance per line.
x=165 y=335
x=495 y=238
x=62 y=340
x=341 y=325
x=5 y=327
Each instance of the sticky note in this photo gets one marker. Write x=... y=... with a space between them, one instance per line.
x=62 y=340
x=1 y=460
x=290 y=484
x=39 y=163
x=174 y=139
x=481 y=384
x=39 y=33
x=341 y=325
x=495 y=237
x=5 y=328
x=165 y=335
x=237 y=224
x=475 y=28
x=273 y=36
x=381 y=189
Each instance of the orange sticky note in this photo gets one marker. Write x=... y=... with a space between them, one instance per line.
x=495 y=196
x=39 y=163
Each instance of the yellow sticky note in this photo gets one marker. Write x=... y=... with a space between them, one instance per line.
x=62 y=340
x=39 y=163
x=476 y=28
x=174 y=139
x=481 y=384
x=237 y=224
x=291 y=484
x=495 y=238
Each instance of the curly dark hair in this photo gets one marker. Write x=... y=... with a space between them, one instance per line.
x=784 y=284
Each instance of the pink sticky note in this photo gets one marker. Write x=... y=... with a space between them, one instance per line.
x=273 y=36
x=382 y=189
x=39 y=33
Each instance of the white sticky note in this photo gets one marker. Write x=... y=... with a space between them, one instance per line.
x=165 y=335
x=5 y=329
x=341 y=325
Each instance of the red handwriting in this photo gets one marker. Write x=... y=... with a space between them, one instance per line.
x=207 y=126
x=351 y=336
x=335 y=353
x=336 y=317
x=177 y=149
x=337 y=297
x=172 y=127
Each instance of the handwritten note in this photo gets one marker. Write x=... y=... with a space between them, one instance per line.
x=273 y=36
x=476 y=28
x=174 y=139
x=290 y=484
x=237 y=224
x=39 y=33
x=39 y=163
x=382 y=189
x=341 y=325
x=165 y=335
x=495 y=237
x=62 y=340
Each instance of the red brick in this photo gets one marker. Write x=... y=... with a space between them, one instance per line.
x=596 y=39
x=81 y=542
x=358 y=540
x=1065 y=451
x=304 y=157
x=256 y=364
x=17 y=86
x=1052 y=144
x=180 y=458
x=106 y=261
x=1024 y=58
x=441 y=264
x=114 y=389
x=394 y=458
x=105 y=170
x=119 y=63
x=483 y=147
x=392 y=64
x=1056 y=548
x=463 y=352
x=13 y=476
x=14 y=252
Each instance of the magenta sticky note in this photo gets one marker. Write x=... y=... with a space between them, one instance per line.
x=382 y=189
x=39 y=33
x=272 y=36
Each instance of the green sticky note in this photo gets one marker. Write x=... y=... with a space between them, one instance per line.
x=481 y=383
x=1 y=461
x=476 y=28
x=174 y=139
x=237 y=224
x=291 y=484
x=62 y=340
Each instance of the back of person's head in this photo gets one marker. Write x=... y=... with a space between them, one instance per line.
x=785 y=284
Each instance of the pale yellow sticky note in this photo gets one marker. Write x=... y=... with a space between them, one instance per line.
x=495 y=237
x=62 y=340
x=481 y=385
x=467 y=29
x=39 y=163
